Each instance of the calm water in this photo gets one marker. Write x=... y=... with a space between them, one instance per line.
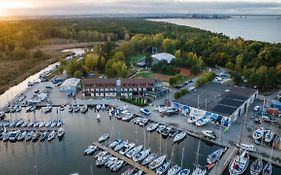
x=261 y=29
x=59 y=158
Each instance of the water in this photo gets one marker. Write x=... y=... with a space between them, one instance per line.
x=64 y=157
x=260 y=29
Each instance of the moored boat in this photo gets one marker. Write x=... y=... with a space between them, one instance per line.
x=103 y=138
x=256 y=167
x=121 y=145
x=141 y=155
x=52 y=135
x=90 y=150
x=127 y=148
x=267 y=170
x=184 y=172
x=163 y=168
x=152 y=127
x=149 y=159
x=129 y=171
x=239 y=164
x=134 y=151
x=269 y=135
x=258 y=134
x=157 y=162
x=173 y=170
x=114 y=143
x=179 y=137
x=199 y=171
x=215 y=156
x=61 y=132
x=209 y=134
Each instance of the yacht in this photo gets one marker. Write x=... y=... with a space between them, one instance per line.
x=12 y=124
x=269 y=135
x=52 y=135
x=267 y=170
x=127 y=117
x=215 y=156
x=179 y=137
x=36 y=124
x=14 y=135
x=114 y=143
x=174 y=132
x=84 y=109
x=239 y=164
x=256 y=167
x=201 y=122
x=165 y=132
x=184 y=172
x=90 y=150
x=258 y=134
x=48 y=124
x=163 y=168
x=141 y=155
x=126 y=148
x=100 y=154
x=29 y=135
x=160 y=128
x=59 y=123
x=19 y=123
x=117 y=166
x=152 y=127
x=21 y=136
x=199 y=171
x=61 y=132
x=174 y=170
x=43 y=136
x=129 y=171
x=42 y=124
x=247 y=147
x=121 y=145
x=209 y=134
x=149 y=159
x=134 y=151
x=103 y=138
x=157 y=162
x=54 y=124
x=102 y=160
x=111 y=161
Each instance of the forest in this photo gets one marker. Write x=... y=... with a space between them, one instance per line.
x=251 y=63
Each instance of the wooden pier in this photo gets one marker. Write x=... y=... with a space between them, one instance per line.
x=222 y=164
x=127 y=160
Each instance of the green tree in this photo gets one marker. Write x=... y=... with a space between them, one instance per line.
x=78 y=74
x=168 y=45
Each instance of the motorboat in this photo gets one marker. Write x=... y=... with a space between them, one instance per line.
x=19 y=123
x=192 y=120
x=111 y=161
x=141 y=155
x=54 y=123
x=61 y=132
x=179 y=137
x=43 y=136
x=59 y=123
x=21 y=136
x=84 y=109
x=116 y=167
x=128 y=117
x=201 y=122
x=127 y=148
x=12 y=124
x=36 y=124
x=52 y=135
x=102 y=160
x=163 y=168
x=215 y=156
x=184 y=172
x=152 y=127
x=70 y=108
x=114 y=143
x=149 y=159
x=5 y=136
x=199 y=171
x=90 y=150
x=18 y=108
x=48 y=108
x=98 y=107
x=14 y=135
x=174 y=170
x=101 y=154
x=138 y=172
x=174 y=132
x=42 y=124
x=61 y=108
x=209 y=134
x=134 y=151
x=239 y=164
x=258 y=134
x=103 y=138
x=160 y=128
x=35 y=136
x=24 y=124
x=121 y=145
x=48 y=124
x=29 y=135
x=248 y=147
x=256 y=167
x=76 y=108
x=165 y=132
x=269 y=135
x=1 y=135
x=267 y=169
x=157 y=162
x=129 y=171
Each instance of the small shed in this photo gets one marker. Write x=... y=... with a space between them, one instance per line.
x=71 y=86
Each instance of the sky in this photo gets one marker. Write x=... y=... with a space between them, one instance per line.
x=84 y=7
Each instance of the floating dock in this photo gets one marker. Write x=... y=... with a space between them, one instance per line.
x=127 y=160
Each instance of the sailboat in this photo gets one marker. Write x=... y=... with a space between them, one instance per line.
x=256 y=167
x=198 y=170
x=98 y=116
x=267 y=170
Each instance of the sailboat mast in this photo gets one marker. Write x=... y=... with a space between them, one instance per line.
x=243 y=126
x=182 y=156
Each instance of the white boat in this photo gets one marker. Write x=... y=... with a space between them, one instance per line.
x=163 y=168
x=90 y=150
x=48 y=124
x=152 y=127
x=102 y=159
x=19 y=123
x=103 y=138
x=22 y=135
x=209 y=134
x=192 y=120
x=101 y=154
x=61 y=108
x=117 y=166
x=98 y=116
x=258 y=134
x=149 y=159
x=121 y=145
x=127 y=148
x=48 y=108
x=59 y=123
x=256 y=167
x=239 y=164
x=269 y=135
x=160 y=128
x=215 y=156
x=141 y=155
x=199 y=171
x=36 y=124
x=114 y=143
x=174 y=170
x=267 y=170
x=134 y=151
x=184 y=172
x=179 y=137
x=157 y=162
x=111 y=161
x=248 y=147
x=52 y=135
x=2 y=114
x=129 y=171
x=201 y=122
x=35 y=136
x=42 y=124
x=54 y=123
x=29 y=135
x=14 y=135
x=43 y=136
x=84 y=109
x=24 y=124
x=138 y=172
x=127 y=117
x=61 y=132
x=5 y=135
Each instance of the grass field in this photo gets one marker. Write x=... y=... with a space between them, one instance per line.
x=136 y=59
x=144 y=74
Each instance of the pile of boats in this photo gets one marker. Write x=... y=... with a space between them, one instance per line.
x=76 y=108
x=241 y=162
x=31 y=135
x=262 y=135
x=32 y=124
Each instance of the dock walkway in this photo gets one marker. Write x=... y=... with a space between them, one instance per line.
x=224 y=161
x=127 y=160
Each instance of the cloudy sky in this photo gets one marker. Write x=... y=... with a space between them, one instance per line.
x=75 y=7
